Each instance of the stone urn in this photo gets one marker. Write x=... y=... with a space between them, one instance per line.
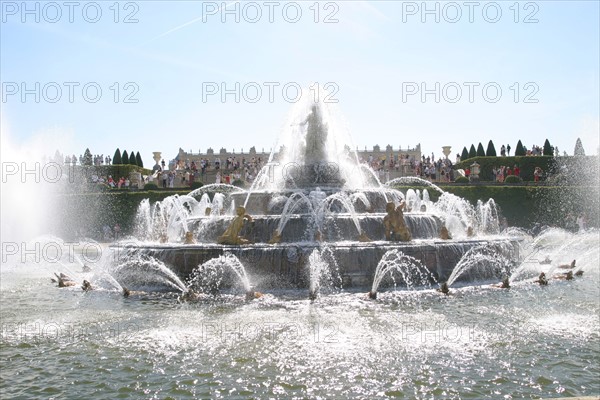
x=446 y=150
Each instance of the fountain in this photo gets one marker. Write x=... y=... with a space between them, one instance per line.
x=412 y=272
x=314 y=192
x=478 y=342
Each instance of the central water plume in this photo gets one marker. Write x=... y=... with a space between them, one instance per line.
x=313 y=149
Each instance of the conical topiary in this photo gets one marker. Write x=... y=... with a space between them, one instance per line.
x=491 y=150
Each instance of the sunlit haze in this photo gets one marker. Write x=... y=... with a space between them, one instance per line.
x=157 y=76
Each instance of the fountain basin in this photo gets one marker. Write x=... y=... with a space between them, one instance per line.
x=286 y=264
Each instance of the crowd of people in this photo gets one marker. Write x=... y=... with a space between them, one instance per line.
x=226 y=171
x=122 y=182
x=185 y=172
x=500 y=173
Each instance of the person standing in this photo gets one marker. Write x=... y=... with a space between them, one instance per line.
x=508 y=150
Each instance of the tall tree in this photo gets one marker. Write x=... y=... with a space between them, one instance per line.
x=548 y=149
x=491 y=150
x=138 y=160
x=465 y=154
x=132 y=160
x=472 y=152
x=117 y=157
x=125 y=157
x=88 y=159
x=579 y=148
x=480 y=151
x=520 y=150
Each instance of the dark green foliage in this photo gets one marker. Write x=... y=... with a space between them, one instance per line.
x=548 y=149
x=513 y=179
x=150 y=186
x=138 y=160
x=125 y=157
x=465 y=154
x=116 y=171
x=516 y=203
x=132 y=160
x=87 y=157
x=116 y=160
x=196 y=185
x=238 y=182
x=461 y=179
x=472 y=152
x=480 y=151
x=491 y=150
x=519 y=151
x=526 y=165
x=578 y=148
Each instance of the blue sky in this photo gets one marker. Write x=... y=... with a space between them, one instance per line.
x=372 y=52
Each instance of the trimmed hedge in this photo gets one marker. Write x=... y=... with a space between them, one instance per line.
x=513 y=179
x=116 y=171
x=89 y=212
x=526 y=164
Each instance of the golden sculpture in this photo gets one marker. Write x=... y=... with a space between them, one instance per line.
x=444 y=234
x=395 y=226
x=363 y=237
x=189 y=238
x=470 y=232
x=319 y=237
x=232 y=233
x=276 y=237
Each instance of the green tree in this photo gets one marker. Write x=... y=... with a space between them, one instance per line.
x=519 y=151
x=578 y=148
x=125 y=157
x=491 y=150
x=138 y=160
x=465 y=154
x=480 y=151
x=132 y=160
x=548 y=149
x=87 y=157
x=472 y=152
x=116 y=160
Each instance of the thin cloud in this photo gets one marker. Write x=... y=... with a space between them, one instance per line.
x=193 y=21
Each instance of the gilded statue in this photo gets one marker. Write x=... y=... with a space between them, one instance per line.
x=232 y=233
x=189 y=238
x=394 y=224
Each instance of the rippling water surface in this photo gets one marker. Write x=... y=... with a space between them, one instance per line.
x=479 y=342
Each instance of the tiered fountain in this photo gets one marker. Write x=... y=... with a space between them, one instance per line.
x=314 y=192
